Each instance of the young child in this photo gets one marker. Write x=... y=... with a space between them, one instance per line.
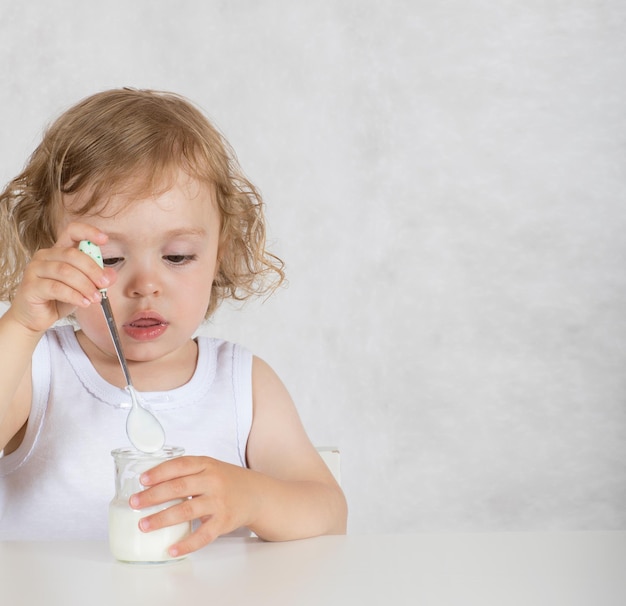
x=145 y=176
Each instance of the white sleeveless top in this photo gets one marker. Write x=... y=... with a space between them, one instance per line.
x=58 y=483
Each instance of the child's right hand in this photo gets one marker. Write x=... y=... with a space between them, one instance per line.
x=59 y=279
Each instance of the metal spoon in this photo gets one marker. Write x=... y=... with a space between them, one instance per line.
x=142 y=428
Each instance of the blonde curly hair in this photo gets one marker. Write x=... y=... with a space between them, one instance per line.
x=106 y=141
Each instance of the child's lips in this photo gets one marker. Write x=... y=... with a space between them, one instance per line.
x=145 y=326
x=145 y=322
x=145 y=319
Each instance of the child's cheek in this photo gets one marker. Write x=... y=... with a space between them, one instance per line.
x=92 y=323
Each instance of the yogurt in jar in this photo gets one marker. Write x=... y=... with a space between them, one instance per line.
x=126 y=541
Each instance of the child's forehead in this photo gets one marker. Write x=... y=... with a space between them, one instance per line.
x=99 y=198
x=187 y=206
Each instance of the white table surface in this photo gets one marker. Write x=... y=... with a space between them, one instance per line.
x=499 y=569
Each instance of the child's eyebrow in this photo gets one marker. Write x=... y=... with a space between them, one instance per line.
x=197 y=232
x=194 y=232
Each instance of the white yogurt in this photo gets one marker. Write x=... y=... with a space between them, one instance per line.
x=129 y=544
x=126 y=541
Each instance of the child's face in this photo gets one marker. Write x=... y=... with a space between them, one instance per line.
x=164 y=250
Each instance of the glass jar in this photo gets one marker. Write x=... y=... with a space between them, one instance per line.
x=126 y=541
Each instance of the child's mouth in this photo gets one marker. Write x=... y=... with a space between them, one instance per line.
x=145 y=327
x=145 y=323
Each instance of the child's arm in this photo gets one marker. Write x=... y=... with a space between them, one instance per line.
x=16 y=349
x=300 y=495
x=56 y=281
x=288 y=492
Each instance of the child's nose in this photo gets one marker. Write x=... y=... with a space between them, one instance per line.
x=144 y=283
x=145 y=289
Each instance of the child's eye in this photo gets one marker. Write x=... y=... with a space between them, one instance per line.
x=111 y=261
x=179 y=259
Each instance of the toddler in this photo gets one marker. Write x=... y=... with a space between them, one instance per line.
x=144 y=175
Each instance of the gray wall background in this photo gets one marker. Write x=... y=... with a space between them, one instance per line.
x=446 y=182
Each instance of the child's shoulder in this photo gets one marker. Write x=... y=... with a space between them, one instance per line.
x=219 y=344
x=224 y=352
x=57 y=335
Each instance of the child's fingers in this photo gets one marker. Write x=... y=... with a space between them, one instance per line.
x=75 y=232
x=177 y=468
x=69 y=240
x=185 y=511
x=53 y=271
x=205 y=534
x=176 y=488
x=53 y=290
x=190 y=509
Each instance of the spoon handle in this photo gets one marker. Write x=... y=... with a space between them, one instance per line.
x=93 y=250
x=115 y=337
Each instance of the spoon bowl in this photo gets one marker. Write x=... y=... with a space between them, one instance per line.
x=142 y=428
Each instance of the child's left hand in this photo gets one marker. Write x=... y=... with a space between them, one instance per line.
x=220 y=500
